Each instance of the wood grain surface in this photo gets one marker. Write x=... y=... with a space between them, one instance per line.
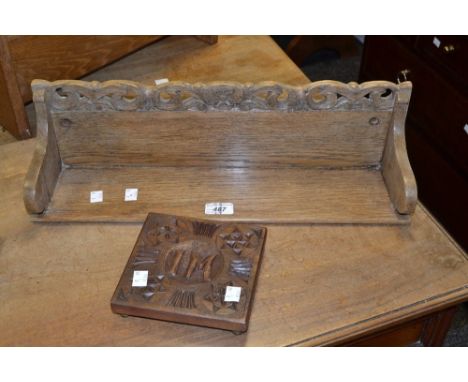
x=229 y=139
x=259 y=195
x=46 y=164
x=233 y=58
x=318 y=285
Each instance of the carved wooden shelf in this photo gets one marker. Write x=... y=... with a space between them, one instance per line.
x=326 y=152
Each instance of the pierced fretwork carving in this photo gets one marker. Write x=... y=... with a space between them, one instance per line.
x=218 y=96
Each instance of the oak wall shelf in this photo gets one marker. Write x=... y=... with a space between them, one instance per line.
x=326 y=152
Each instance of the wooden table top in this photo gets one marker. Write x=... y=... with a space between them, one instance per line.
x=318 y=284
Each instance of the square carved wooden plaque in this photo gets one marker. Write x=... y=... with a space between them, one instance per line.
x=191 y=271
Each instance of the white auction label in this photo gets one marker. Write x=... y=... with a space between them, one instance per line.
x=131 y=194
x=232 y=294
x=219 y=208
x=96 y=196
x=161 y=81
x=436 y=42
x=140 y=278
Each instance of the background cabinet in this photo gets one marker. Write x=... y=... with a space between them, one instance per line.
x=24 y=58
x=437 y=126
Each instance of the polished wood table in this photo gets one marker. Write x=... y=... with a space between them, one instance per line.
x=318 y=284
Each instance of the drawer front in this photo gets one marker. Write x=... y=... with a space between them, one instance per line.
x=429 y=330
x=450 y=53
x=436 y=107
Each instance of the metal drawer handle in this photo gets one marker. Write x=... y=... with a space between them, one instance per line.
x=448 y=48
x=402 y=75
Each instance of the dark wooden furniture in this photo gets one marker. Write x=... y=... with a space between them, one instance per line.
x=25 y=58
x=437 y=128
x=319 y=284
x=429 y=330
x=191 y=271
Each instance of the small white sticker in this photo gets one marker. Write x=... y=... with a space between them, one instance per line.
x=232 y=294
x=466 y=128
x=219 y=208
x=140 y=278
x=96 y=196
x=436 y=42
x=131 y=194
x=161 y=81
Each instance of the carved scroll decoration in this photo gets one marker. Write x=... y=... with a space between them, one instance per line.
x=217 y=96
